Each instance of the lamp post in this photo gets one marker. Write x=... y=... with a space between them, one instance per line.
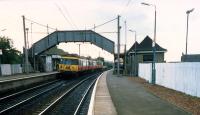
x=187 y=12
x=135 y=58
x=3 y=29
x=154 y=45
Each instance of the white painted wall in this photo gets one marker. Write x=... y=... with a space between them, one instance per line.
x=10 y=69
x=6 y=69
x=16 y=68
x=183 y=77
x=48 y=64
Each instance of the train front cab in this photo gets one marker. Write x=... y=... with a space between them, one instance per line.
x=68 y=66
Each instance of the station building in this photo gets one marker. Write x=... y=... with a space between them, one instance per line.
x=142 y=53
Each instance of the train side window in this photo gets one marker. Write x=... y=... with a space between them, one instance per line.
x=74 y=62
x=87 y=62
x=95 y=63
x=81 y=62
x=84 y=62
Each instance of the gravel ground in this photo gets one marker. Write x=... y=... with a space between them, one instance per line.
x=184 y=101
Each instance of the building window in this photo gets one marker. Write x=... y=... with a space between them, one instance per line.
x=147 y=58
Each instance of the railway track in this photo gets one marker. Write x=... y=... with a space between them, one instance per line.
x=42 y=99
x=10 y=102
x=71 y=101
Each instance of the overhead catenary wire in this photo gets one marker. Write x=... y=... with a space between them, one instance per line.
x=108 y=32
x=69 y=16
x=124 y=8
x=61 y=11
x=128 y=3
x=103 y=24
x=39 y=32
x=40 y=24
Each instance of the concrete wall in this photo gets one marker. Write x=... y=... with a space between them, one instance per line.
x=183 y=77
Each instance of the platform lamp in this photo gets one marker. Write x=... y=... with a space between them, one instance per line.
x=187 y=12
x=153 y=45
x=135 y=59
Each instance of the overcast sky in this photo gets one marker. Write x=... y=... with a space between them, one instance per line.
x=83 y=14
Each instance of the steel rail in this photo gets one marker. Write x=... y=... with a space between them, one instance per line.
x=26 y=90
x=28 y=99
x=64 y=94
x=83 y=98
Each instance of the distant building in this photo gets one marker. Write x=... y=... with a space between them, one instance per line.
x=190 y=58
x=143 y=54
x=121 y=62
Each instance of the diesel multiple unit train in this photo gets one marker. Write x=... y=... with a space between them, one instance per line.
x=77 y=65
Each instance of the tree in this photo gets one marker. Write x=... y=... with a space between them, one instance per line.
x=55 y=51
x=10 y=54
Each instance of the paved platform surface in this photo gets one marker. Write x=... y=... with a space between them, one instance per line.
x=103 y=102
x=23 y=75
x=130 y=98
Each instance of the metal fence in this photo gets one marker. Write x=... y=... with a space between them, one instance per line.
x=183 y=77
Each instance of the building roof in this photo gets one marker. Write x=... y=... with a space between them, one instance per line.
x=146 y=45
x=133 y=46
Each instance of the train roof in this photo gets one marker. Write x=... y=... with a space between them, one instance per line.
x=68 y=57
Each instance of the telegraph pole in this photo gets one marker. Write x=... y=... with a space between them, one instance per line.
x=125 y=48
x=27 y=38
x=25 y=44
x=118 y=44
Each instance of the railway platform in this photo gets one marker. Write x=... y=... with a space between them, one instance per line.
x=13 y=82
x=119 y=95
x=24 y=76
